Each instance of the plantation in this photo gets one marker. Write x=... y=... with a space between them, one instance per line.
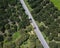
x=46 y=12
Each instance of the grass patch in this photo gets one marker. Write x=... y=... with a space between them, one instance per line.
x=56 y=3
x=16 y=35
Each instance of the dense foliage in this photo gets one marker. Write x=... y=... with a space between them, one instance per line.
x=45 y=11
x=15 y=28
x=12 y=19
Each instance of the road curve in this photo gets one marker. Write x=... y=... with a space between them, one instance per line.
x=37 y=31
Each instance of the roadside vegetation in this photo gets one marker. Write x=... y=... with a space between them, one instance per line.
x=46 y=12
x=15 y=28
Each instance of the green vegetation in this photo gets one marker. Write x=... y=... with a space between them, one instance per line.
x=56 y=3
x=28 y=5
x=15 y=28
x=47 y=17
x=16 y=36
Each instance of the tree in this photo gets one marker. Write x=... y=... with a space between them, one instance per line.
x=57 y=38
x=53 y=45
x=42 y=28
x=38 y=44
x=29 y=28
x=50 y=37
x=58 y=45
x=55 y=34
x=23 y=39
x=1 y=38
x=3 y=3
x=7 y=26
x=13 y=2
x=47 y=32
x=9 y=39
